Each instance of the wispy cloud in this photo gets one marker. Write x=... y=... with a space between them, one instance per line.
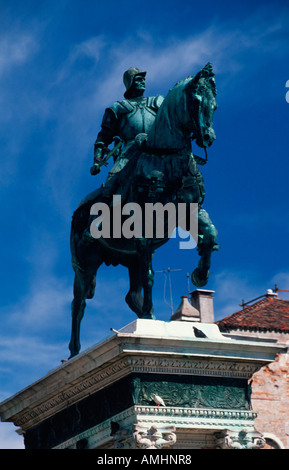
x=232 y=287
x=69 y=101
x=281 y=280
x=41 y=319
x=91 y=49
x=16 y=48
x=54 y=89
x=9 y=439
x=80 y=95
x=44 y=306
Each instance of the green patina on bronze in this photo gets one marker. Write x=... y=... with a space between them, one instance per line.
x=218 y=393
x=154 y=165
x=193 y=391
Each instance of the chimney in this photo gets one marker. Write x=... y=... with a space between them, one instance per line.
x=202 y=300
x=185 y=311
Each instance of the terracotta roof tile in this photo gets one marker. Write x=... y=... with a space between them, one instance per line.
x=268 y=314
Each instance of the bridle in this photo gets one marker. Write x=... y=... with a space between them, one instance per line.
x=202 y=160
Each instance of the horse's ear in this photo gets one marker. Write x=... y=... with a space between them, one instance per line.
x=206 y=72
x=196 y=78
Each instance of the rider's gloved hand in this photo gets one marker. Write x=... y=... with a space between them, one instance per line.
x=95 y=169
x=98 y=156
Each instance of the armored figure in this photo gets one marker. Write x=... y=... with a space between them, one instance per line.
x=122 y=122
x=125 y=119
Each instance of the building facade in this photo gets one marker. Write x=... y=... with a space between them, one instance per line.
x=267 y=320
x=182 y=384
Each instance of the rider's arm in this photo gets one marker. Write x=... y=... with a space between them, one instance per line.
x=106 y=134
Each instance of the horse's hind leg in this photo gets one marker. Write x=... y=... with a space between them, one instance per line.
x=84 y=284
x=134 y=297
x=146 y=270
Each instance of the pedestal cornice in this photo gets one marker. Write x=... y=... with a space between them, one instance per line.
x=183 y=419
x=143 y=347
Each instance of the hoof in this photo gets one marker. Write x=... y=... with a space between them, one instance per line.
x=148 y=316
x=199 y=280
x=72 y=355
x=74 y=351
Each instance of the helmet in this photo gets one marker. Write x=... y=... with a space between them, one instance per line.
x=128 y=77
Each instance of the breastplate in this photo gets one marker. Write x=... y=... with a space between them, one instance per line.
x=139 y=118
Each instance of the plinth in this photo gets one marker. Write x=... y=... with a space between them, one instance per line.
x=105 y=398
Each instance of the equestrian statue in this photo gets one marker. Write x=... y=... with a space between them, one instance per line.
x=153 y=163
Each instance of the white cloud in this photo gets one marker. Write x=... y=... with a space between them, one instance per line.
x=232 y=287
x=91 y=49
x=75 y=95
x=281 y=280
x=9 y=439
x=44 y=306
x=49 y=296
x=26 y=349
x=15 y=49
x=80 y=95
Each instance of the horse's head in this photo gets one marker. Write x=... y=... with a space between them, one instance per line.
x=202 y=91
x=187 y=110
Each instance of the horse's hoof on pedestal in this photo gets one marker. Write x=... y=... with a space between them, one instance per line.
x=72 y=355
x=74 y=351
x=198 y=279
x=148 y=316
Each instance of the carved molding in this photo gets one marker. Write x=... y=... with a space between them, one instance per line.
x=207 y=367
x=102 y=433
x=122 y=439
x=244 y=439
x=195 y=418
x=165 y=419
x=103 y=377
x=70 y=395
x=153 y=438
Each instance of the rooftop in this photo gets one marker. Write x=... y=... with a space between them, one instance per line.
x=269 y=314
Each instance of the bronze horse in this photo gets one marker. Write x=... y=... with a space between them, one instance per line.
x=161 y=168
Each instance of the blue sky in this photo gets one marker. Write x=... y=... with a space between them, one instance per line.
x=61 y=64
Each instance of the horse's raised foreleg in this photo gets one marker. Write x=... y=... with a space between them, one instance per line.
x=206 y=245
x=84 y=284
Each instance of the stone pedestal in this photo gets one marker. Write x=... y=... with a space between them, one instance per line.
x=105 y=398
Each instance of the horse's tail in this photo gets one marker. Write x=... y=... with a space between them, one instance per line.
x=78 y=224
x=80 y=220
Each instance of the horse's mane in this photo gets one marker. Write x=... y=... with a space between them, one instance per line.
x=172 y=110
x=174 y=115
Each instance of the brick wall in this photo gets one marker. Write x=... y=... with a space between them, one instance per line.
x=270 y=399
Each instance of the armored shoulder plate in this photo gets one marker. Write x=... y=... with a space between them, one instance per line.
x=126 y=106
x=121 y=107
x=157 y=101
